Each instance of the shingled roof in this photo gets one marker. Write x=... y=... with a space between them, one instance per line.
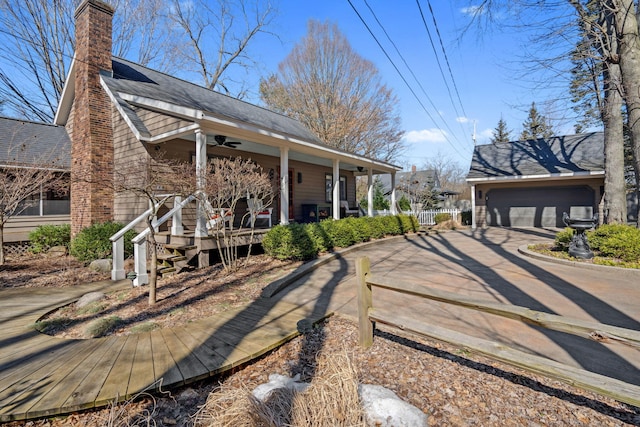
x=559 y=155
x=131 y=78
x=28 y=143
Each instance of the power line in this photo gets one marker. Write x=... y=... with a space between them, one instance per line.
x=402 y=76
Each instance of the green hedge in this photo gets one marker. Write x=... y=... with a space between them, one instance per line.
x=616 y=241
x=305 y=241
x=609 y=240
x=93 y=242
x=442 y=217
x=47 y=236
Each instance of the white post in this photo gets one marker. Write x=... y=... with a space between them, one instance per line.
x=284 y=185
x=394 y=211
x=370 y=192
x=336 y=189
x=176 y=220
x=473 y=207
x=201 y=167
x=117 y=270
x=140 y=257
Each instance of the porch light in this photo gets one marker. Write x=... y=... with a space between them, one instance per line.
x=360 y=168
x=132 y=276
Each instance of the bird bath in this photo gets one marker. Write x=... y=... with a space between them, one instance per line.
x=579 y=246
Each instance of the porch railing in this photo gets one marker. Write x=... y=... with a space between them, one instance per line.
x=140 y=241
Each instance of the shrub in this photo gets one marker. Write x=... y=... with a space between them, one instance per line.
x=563 y=238
x=93 y=242
x=341 y=233
x=409 y=223
x=442 y=217
x=321 y=240
x=616 y=241
x=404 y=204
x=47 y=236
x=289 y=242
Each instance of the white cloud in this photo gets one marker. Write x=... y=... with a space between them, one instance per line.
x=426 y=135
x=472 y=11
x=485 y=134
x=463 y=119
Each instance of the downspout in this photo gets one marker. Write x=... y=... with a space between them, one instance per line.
x=284 y=185
x=336 y=189
x=473 y=207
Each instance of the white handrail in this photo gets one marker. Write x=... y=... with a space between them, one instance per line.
x=140 y=250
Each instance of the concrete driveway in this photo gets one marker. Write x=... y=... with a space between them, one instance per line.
x=486 y=264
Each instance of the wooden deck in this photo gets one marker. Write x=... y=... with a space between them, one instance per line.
x=42 y=376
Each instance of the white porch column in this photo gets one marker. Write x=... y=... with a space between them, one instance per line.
x=369 y=192
x=201 y=167
x=473 y=207
x=284 y=185
x=394 y=211
x=336 y=189
x=176 y=221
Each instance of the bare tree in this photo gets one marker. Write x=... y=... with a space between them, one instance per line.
x=38 y=43
x=22 y=180
x=215 y=36
x=609 y=32
x=155 y=181
x=227 y=182
x=337 y=94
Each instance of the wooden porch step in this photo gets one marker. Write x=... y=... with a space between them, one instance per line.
x=171 y=257
x=179 y=247
x=166 y=270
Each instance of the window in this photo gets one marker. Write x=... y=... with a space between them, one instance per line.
x=343 y=187
x=328 y=187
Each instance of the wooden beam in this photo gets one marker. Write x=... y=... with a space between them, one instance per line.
x=365 y=298
x=616 y=389
x=598 y=332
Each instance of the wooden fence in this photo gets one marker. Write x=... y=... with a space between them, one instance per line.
x=619 y=390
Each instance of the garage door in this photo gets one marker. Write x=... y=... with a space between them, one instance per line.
x=538 y=207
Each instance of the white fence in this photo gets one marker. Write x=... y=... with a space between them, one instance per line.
x=425 y=217
x=429 y=217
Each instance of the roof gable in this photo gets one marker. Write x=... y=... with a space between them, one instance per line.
x=571 y=154
x=27 y=143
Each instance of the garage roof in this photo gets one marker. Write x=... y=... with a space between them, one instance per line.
x=569 y=155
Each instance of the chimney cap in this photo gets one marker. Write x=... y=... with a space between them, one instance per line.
x=96 y=4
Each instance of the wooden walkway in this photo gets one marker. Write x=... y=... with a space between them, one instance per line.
x=41 y=375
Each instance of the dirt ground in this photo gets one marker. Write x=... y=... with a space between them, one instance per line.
x=451 y=385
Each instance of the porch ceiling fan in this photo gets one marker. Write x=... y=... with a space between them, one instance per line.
x=222 y=140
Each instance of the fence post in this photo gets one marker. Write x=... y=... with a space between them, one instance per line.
x=363 y=270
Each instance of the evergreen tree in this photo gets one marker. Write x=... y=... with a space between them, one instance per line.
x=536 y=126
x=501 y=133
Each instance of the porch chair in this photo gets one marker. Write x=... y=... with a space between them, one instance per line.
x=257 y=211
x=348 y=212
x=220 y=220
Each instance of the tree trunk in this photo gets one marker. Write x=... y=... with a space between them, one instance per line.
x=1 y=243
x=615 y=201
x=629 y=50
x=153 y=268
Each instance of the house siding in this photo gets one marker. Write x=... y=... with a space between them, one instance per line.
x=157 y=123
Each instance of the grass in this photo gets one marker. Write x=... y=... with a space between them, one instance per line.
x=103 y=326
x=50 y=326
x=331 y=399
x=93 y=308
x=144 y=327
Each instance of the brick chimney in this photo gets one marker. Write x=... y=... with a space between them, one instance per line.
x=92 y=134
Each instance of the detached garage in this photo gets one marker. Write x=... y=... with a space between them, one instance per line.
x=531 y=183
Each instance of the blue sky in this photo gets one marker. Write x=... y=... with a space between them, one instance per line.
x=482 y=66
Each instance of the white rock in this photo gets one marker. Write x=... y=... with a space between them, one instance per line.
x=278 y=381
x=385 y=409
x=103 y=265
x=87 y=299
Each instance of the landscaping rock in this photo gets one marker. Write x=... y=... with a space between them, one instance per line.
x=102 y=265
x=385 y=409
x=57 y=251
x=89 y=298
x=279 y=381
